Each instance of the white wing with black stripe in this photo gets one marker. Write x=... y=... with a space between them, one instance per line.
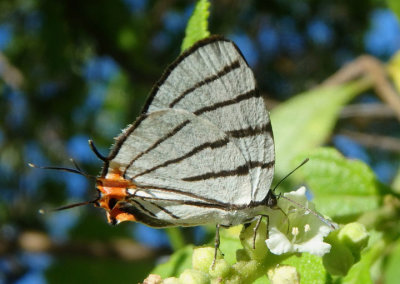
x=214 y=82
x=183 y=167
x=185 y=157
x=201 y=152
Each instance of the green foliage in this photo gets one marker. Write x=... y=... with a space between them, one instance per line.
x=392 y=271
x=395 y=6
x=177 y=263
x=396 y=183
x=347 y=245
x=197 y=27
x=341 y=187
x=307 y=120
x=175 y=237
x=310 y=267
x=361 y=272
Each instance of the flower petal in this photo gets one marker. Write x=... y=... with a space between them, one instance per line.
x=278 y=243
x=294 y=229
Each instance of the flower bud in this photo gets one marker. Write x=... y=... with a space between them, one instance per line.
x=203 y=257
x=171 y=280
x=247 y=239
x=340 y=259
x=221 y=269
x=354 y=236
x=191 y=276
x=284 y=275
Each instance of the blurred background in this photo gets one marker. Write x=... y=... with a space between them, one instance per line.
x=73 y=70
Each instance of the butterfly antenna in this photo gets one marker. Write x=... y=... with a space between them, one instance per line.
x=96 y=152
x=43 y=211
x=302 y=164
x=75 y=171
x=75 y=164
x=307 y=210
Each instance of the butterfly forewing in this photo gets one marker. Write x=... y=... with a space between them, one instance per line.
x=214 y=82
x=203 y=147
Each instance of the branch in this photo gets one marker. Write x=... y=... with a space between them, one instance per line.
x=369 y=110
x=373 y=69
x=10 y=74
x=374 y=141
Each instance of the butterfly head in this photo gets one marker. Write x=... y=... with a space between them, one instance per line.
x=271 y=200
x=113 y=192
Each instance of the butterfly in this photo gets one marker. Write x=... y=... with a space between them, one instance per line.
x=201 y=151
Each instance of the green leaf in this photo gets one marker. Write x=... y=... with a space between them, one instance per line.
x=307 y=120
x=396 y=182
x=392 y=271
x=309 y=267
x=341 y=187
x=197 y=27
x=177 y=263
x=361 y=271
x=394 y=5
x=262 y=280
x=176 y=237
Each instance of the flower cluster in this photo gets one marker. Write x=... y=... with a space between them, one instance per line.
x=296 y=227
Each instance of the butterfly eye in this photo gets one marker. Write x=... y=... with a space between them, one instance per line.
x=112 y=202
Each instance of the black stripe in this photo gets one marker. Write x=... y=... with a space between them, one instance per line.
x=234 y=65
x=176 y=191
x=248 y=95
x=239 y=171
x=167 y=136
x=195 y=150
x=210 y=40
x=144 y=217
x=165 y=210
x=142 y=207
x=262 y=165
x=121 y=139
x=251 y=131
x=219 y=205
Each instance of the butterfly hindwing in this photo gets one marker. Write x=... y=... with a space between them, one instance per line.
x=176 y=158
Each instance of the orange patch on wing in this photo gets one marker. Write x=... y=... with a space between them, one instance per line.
x=114 y=186
x=119 y=215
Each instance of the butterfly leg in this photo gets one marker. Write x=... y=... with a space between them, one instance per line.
x=216 y=245
x=257 y=226
x=267 y=227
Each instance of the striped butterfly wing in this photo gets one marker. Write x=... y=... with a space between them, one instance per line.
x=204 y=139
x=213 y=81
x=177 y=160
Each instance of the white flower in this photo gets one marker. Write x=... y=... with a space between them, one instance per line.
x=298 y=230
